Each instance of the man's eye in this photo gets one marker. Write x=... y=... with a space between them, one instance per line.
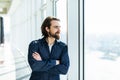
x=56 y=26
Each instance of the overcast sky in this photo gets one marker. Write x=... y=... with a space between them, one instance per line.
x=102 y=16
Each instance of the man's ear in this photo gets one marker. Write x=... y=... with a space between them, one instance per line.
x=47 y=29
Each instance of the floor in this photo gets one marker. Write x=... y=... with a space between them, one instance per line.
x=7 y=64
x=13 y=65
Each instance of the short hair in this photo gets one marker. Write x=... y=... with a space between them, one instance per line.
x=47 y=23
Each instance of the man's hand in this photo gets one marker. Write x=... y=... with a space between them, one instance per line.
x=36 y=56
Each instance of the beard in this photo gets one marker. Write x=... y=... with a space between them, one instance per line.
x=56 y=35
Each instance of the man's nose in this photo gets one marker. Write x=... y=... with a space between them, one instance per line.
x=59 y=30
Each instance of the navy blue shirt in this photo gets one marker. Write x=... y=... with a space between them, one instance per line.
x=46 y=69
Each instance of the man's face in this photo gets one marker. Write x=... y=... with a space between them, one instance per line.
x=54 y=30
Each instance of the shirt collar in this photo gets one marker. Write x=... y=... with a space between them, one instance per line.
x=44 y=41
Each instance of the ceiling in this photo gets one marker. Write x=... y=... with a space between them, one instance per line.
x=4 y=6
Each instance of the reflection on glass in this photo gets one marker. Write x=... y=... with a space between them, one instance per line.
x=43 y=14
x=43 y=1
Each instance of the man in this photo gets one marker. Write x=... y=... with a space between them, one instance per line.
x=48 y=57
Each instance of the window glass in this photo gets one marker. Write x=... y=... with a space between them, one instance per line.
x=61 y=12
x=102 y=40
x=43 y=1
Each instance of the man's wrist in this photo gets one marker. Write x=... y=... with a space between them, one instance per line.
x=57 y=62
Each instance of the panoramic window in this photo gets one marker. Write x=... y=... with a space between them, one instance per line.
x=102 y=41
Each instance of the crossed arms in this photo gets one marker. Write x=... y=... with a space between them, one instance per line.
x=37 y=64
x=37 y=57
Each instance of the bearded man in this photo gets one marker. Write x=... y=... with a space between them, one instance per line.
x=48 y=57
